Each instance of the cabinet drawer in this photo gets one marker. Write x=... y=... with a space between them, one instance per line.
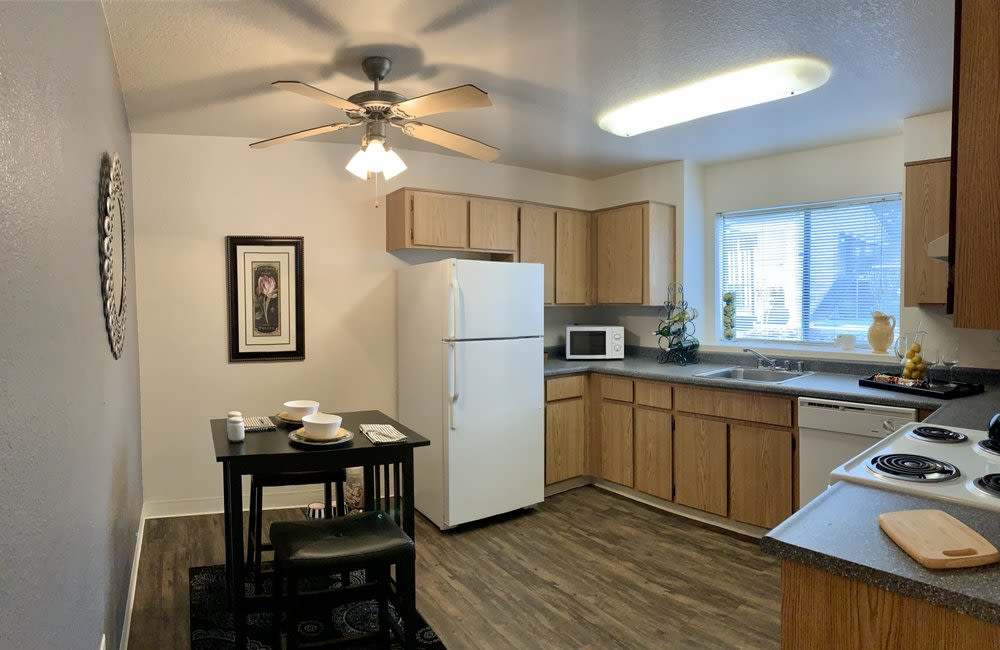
x=734 y=405
x=616 y=388
x=564 y=387
x=652 y=393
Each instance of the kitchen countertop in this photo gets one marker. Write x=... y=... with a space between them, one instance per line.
x=838 y=532
x=967 y=412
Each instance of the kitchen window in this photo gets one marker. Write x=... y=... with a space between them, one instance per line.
x=807 y=273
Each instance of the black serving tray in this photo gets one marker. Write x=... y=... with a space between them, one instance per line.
x=940 y=391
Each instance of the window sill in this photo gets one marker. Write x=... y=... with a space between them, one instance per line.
x=797 y=351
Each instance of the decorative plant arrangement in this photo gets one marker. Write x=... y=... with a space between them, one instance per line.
x=675 y=333
x=728 y=316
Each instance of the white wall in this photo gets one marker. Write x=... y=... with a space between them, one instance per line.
x=189 y=193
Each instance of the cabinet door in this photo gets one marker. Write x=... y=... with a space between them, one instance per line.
x=925 y=280
x=700 y=469
x=620 y=255
x=538 y=243
x=440 y=220
x=760 y=475
x=565 y=440
x=653 y=457
x=616 y=443
x=573 y=253
x=492 y=225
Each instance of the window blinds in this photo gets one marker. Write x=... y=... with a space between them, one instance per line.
x=807 y=273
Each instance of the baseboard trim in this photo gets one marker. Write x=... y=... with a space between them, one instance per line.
x=568 y=484
x=746 y=531
x=133 y=577
x=273 y=499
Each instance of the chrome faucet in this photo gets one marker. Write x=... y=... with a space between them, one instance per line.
x=762 y=360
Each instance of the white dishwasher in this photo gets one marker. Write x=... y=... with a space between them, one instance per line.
x=832 y=432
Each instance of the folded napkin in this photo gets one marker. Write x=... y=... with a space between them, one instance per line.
x=382 y=434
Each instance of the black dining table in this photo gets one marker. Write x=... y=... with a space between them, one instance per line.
x=271 y=452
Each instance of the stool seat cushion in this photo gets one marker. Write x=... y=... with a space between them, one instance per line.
x=348 y=542
x=281 y=479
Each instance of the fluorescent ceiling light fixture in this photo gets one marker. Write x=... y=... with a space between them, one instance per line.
x=758 y=84
x=375 y=158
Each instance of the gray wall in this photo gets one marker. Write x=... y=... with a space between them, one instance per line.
x=70 y=482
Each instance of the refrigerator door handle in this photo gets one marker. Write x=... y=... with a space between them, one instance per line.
x=452 y=303
x=452 y=384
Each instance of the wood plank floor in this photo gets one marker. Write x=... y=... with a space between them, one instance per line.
x=587 y=569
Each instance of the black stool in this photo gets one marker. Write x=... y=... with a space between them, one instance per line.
x=255 y=543
x=367 y=540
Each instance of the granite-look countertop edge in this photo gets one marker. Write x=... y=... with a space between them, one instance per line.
x=964 y=603
x=838 y=532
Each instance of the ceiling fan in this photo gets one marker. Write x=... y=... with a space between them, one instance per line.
x=379 y=109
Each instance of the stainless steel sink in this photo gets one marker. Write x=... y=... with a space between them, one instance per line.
x=763 y=375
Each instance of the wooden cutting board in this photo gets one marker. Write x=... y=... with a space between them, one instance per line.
x=937 y=540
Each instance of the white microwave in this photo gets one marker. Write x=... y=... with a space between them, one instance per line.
x=595 y=342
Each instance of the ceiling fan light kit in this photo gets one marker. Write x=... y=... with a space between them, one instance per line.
x=757 y=84
x=379 y=109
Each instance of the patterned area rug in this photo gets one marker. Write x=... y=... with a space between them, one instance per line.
x=212 y=623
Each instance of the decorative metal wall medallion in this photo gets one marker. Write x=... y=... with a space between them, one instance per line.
x=111 y=221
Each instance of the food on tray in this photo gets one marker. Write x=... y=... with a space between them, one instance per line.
x=899 y=381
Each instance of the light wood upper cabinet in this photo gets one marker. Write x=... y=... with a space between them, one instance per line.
x=573 y=258
x=975 y=164
x=760 y=475
x=538 y=243
x=565 y=440
x=616 y=442
x=925 y=280
x=653 y=453
x=635 y=253
x=492 y=225
x=619 y=255
x=700 y=467
x=440 y=220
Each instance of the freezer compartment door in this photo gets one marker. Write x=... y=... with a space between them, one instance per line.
x=492 y=300
x=496 y=432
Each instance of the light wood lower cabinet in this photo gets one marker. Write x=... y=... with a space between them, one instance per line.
x=760 y=474
x=654 y=453
x=700 y=467
x=565 y=440
x=735 y=405
x=616 y=442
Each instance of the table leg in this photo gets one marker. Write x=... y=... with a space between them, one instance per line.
x=234 y=559
x=409 y=516
x=369 y=496
x=226 y=507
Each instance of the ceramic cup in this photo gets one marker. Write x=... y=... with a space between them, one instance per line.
x=845 y=342
x=299 y=408
x=321 y=426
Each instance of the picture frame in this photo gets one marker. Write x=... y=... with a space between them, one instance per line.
x=265 y=298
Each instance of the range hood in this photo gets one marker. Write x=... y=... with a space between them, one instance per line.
x=938 y=248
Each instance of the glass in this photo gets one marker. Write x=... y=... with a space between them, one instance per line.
x=949 y=359
x=931 y=356
x=904 y=344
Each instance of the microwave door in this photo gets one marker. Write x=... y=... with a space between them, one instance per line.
x=588 y=343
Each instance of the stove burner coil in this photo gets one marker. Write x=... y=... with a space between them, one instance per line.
x=910 y=467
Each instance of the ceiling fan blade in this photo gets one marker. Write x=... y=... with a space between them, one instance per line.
x=449 y=140
x=298 y=135
x=443 y=101
x=312 y=92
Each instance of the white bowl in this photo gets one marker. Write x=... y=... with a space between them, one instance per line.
x=321 y=426
x=299 y=408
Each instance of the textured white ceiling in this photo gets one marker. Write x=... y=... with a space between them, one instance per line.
x=550 y=66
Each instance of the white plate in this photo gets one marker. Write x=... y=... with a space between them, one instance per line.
x=297 y=438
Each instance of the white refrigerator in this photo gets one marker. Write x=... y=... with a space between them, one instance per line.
x=470 y=352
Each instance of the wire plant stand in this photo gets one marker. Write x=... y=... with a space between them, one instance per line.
x=675 y=333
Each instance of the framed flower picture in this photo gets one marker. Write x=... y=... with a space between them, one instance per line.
x=264 y=295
